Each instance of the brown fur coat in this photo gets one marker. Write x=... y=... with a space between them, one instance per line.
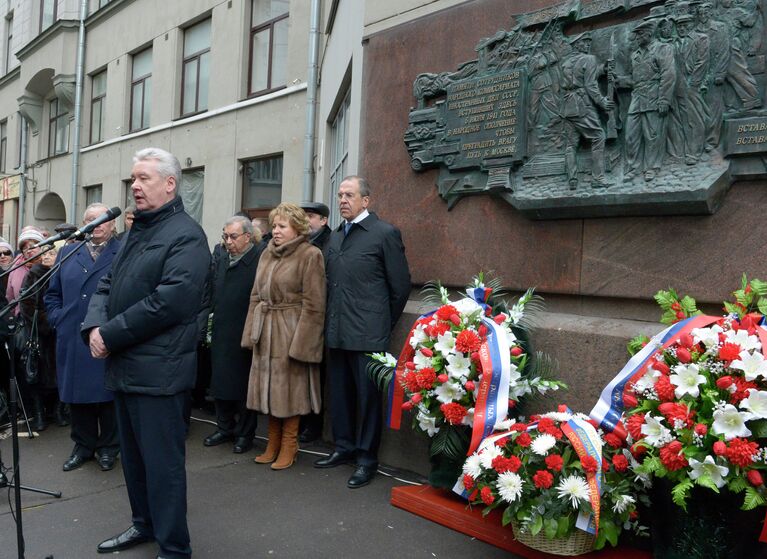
x=284 y=328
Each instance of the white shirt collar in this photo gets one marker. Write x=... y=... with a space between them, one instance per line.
x=360 y=217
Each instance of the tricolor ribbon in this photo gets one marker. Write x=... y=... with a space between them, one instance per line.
x=585 y=441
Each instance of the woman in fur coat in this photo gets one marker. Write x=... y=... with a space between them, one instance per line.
x=284 y=329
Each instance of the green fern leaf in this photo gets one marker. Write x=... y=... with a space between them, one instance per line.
x=680 y=492
x=737 y=484
x=706 y=481
x=753 y=499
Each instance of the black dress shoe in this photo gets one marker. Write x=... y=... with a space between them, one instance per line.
x=131 y=537
x=106 y=462
x=74 y=462
x=361 y=476
x=217 y=438
x=335 y=459
x=242 y=445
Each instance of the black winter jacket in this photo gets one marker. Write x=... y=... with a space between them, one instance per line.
x=147 y=305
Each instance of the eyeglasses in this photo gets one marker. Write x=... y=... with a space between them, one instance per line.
x=233 y=236
x=6 y=253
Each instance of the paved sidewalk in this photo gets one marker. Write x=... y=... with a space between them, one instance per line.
x=237 y=509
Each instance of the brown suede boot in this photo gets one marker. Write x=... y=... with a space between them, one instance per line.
x=273 y=444
x=289 y=445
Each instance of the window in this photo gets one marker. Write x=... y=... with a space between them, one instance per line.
x=47 y=13
x=262 y=186
x=268 y=45
x=128 y=199
x=21 y=136
x=141 y=90
x=8 y=43
x=191 y=192
x=3 y=145
x=58 y=129
x=196 y=70
x=98 y=93
x=339 y=154
x=92 y=194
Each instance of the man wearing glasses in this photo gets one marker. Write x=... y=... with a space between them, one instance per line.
x=232 y=282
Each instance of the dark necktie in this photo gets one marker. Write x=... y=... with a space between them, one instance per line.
x=347 y=228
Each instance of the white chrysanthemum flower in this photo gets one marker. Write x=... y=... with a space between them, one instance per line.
x=509 y=486
x=575 y=488
x=472 y=466
x=656 y=434
x=449 y=392
x=421 y=361
x=730 y=422
x=558 y=416
x=745 y=340
x=467 y=306
x=427 y=423
x=753 y=365
x=708 y=336
x=710 y=468
x=622 y=502
x=687 y=379
x=488 y=454
x=419 y=336
x=458 y=366
x=756 y=403
x=543 y=443
x=445 y=343
x=504 y=425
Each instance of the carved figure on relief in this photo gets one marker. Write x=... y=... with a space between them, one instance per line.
x=652 y=82
x=742 y=92
x=580 y=98
x=719 y=59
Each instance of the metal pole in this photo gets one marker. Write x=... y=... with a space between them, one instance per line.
x=23 y=177
x=311 y=100
x=79 y=76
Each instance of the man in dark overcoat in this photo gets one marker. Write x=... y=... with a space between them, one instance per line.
x=368 y=283
x=232 y=282
x=80 y=376
x=318 y=214
x=143 y=321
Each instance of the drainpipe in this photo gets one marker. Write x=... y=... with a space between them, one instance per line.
x=79 y=77
x=311 y=101
x=23 y=176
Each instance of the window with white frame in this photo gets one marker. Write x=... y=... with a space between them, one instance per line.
x=196 y=68
x=339 y=155
x=48 y=13
x=98 y=98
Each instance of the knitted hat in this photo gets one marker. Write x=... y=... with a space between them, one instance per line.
x=30 y=235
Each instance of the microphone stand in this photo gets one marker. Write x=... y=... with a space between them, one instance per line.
x=31 y=291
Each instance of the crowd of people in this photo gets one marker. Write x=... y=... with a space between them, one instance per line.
x=133 y=328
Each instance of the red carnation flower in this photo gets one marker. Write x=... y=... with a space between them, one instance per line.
x=523 y=440
x=453 y=412
x=554 y=462
x=719 y=448
x=729 y=351
x=754 y=478
x=426 y=377
x=546 y=425
x=701 y=429
x=671 y=456
x=410 y=380
x=589 y=464
x=468 y=482
x=674 y=411
x=740 y=452
x=638 y=450
x=661 y=367
x=634 y=426
x=467 y=341
x=742 y=386
x=620 y=463
x=437 y=329
x=487 y=495
x=502 y=464
x=516 y=351
x=543 y=479
x=683 y=354
x=664 y=389
x=446 y=311
x=613 y=440
x=519 y=427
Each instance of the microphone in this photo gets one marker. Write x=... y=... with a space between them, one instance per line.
x=108 y=215
x=63 y=235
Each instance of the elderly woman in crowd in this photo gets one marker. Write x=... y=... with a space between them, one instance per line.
x=29 y=237
x=284 y=328
x=35 y=318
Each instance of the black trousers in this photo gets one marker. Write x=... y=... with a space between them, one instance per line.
x=350 y=387
x=233 y=418
x=152 y=432
x=94 y=429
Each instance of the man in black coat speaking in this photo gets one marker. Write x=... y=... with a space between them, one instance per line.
x=143 y=321
x=368 y=285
